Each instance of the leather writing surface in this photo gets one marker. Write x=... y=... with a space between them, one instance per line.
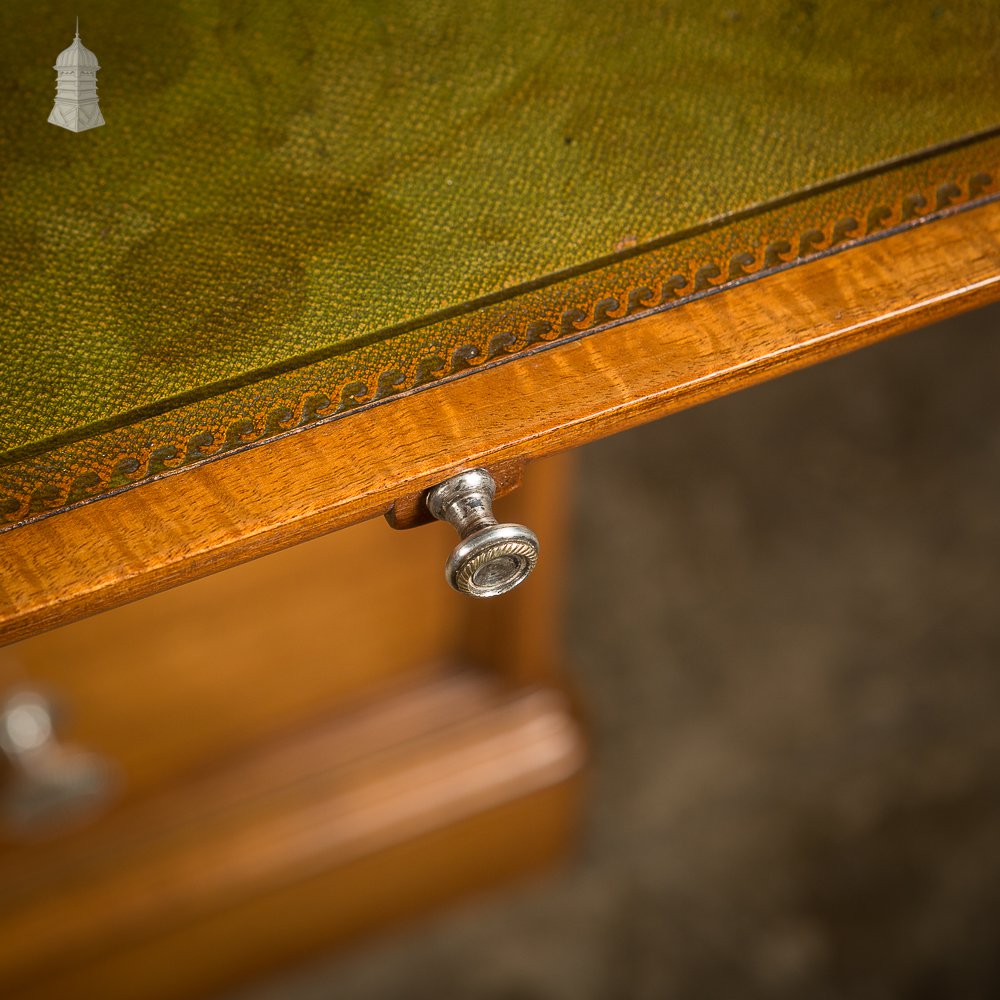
x=297 y=209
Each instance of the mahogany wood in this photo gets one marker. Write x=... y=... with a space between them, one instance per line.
x=342 y=827
x=205 y=519
x=194 y=673
x=294 y=776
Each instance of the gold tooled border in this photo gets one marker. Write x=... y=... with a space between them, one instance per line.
x=50 y=476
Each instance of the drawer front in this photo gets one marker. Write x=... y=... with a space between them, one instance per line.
x=188 y=676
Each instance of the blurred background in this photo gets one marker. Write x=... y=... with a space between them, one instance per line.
x=784 y=625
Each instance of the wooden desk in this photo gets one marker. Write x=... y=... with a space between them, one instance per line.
x=311 y=267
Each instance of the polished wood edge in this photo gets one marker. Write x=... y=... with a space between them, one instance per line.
x=204 y=519
x=289 y=813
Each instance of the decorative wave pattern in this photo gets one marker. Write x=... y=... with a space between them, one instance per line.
x=524 y=556
x=703 y=276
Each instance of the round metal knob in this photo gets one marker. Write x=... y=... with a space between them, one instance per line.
x=48 y=786
x=491 y=558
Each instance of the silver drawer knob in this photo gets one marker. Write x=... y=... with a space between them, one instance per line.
x=47 y=786
x=491 y=558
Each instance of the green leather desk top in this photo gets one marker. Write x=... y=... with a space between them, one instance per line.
x=297 y=209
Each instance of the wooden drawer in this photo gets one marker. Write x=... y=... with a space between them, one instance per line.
x=307 y=746
x=198 y=672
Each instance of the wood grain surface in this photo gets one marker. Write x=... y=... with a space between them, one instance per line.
x=169 y=685
x=345 y=825
x=308 y=747
x=196 y=673
x=204 y=519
